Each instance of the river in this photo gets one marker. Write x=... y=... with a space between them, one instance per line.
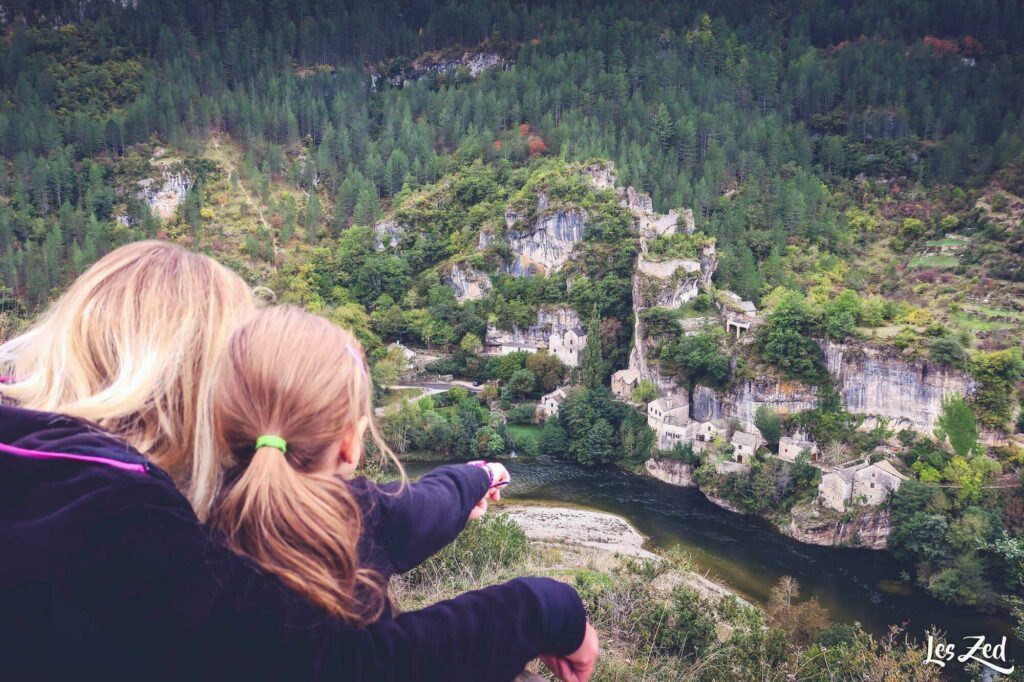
x=747 y=554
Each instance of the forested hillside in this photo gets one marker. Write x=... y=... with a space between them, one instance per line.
x=820 y=126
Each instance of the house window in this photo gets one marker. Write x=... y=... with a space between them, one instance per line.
x=872 y=484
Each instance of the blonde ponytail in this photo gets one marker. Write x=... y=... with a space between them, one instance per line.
x=298 y=377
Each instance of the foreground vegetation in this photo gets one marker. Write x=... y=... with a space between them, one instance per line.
x=654 y=626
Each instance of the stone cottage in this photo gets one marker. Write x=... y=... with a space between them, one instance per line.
x=702 y=433
x=669 y=418
x=791 y=446
x=744 y=446
x=550 y=403
x=623 y=383
x=859 y=484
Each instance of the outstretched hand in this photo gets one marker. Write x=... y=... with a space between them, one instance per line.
x=500 y=478
x=579 y=665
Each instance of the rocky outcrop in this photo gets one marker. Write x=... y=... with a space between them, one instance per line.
x=474 y=63
x=387 y=234
x=670 y=471
x=164 y=194
x=669 y=283
x=550 y=322
x=548 y=243
x=741 y=401
x=868 y=529
x=469 y=284
x=883 y=383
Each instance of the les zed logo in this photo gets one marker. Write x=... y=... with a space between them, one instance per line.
x=981 y=651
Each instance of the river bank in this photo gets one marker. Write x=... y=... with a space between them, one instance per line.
x=807 y=523
x=591 y=538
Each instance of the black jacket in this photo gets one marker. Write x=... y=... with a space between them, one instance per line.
x=105 y=571
x=405 y=525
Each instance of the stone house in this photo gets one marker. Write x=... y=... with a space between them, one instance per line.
x=861 y=483
x=410 y=358
x=623 y=383
x=550 y=403
x=702 y=433
x=566 y=346
x=669 y=418
x=744 y=446
x=791 y=446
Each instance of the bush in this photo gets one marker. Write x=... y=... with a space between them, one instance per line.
x=522 y=414
x=626 y=606
x=493 y=542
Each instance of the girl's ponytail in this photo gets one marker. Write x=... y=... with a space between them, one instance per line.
x=295 y=376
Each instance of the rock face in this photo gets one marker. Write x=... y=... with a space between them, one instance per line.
x=670 y=283
x=475 y=64
x=469 y=284
x=387 y=234
x=741 y=402
x=164 y=195
x=557 y=329
x=868 y=529
x=884 y=384
x=546 y=245
x=670 y=471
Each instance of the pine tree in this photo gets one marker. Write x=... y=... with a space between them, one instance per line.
x=592 y=367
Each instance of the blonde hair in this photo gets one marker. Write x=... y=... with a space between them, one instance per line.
x=296 y=376
x=131 y=347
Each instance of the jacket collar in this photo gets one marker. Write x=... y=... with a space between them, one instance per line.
x=46 y=435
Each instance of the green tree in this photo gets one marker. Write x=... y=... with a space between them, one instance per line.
x=471 y=344
x=521 y=383
x=553 y=440
x=600 y=444
x=592 y=366
x=786 y=340
x=645 y=391
x=958 y=424
x=769 y=423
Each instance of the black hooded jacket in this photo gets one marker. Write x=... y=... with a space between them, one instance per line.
x=106 y=571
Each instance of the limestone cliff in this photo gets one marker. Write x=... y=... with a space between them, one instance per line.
x=164 y=194
x=670 y=471
x=868 y=528
x=548 y=243
x=742 y=400
x=550 y=321
x=473 y=63
x=668 y=283
x=469 y=284
x=387 y=234
x=881 y=382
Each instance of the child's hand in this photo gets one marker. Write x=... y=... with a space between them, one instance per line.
x=499 y=479
x=579 y=665
x=479 y=510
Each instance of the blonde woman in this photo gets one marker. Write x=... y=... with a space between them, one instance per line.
x=106 y=569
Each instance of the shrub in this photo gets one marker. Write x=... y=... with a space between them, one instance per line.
x=493 y=542
x=522 y=414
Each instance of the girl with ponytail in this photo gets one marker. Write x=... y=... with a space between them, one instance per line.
x=292 y=406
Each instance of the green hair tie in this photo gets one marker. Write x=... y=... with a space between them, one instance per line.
x=272 y=442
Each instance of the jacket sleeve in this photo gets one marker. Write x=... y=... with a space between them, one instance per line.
x=420 y=519
x=168 y=589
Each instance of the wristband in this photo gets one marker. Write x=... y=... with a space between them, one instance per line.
x=483 y=465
